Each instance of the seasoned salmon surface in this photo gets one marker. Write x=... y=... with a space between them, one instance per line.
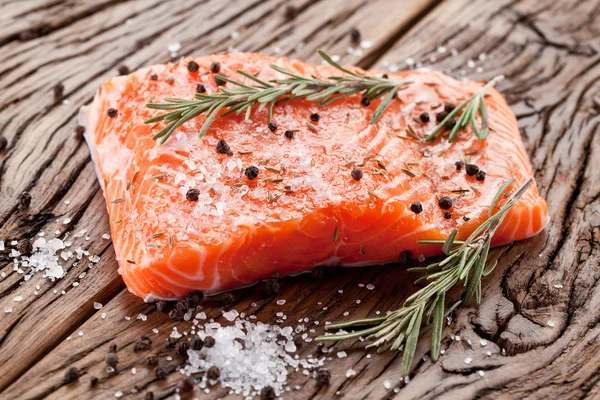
x=304 y=209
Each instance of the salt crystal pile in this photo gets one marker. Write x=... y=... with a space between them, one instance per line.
x=43 y=258
x=262 y=360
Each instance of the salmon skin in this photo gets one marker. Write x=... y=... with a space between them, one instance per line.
x=304 y=209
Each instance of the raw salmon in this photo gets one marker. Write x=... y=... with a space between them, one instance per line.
x=304 y=209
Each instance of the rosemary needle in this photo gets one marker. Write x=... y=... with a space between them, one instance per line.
x=243 y=97
x=465 y=261
x=474 y=104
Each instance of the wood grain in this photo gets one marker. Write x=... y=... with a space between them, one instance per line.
x=82 y=55
x=549 y=52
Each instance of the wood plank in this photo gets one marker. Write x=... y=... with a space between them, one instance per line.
x=40 y=134
x=27 y=19
x=550 y=54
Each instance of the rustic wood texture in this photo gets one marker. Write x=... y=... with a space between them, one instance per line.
x=549 y=52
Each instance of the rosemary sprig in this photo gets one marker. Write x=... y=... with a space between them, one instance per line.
x=472 y=105
x=242 y=97
x=465 y=261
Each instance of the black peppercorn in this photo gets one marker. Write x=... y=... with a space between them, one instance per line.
x=465 y=218
x=193 y=66
x=176 y=315
x=267 y=393
x=213 y=373
x=471 y=169
x=192 y=194
x=71 y=375
x=449 y=107
x=451 y=123
x=3 y=143
x=314 y=117
x=447 y=215
x=149 y=396
x=161 y=305
x=153 y=77
x=416 y=207
x=223 y=147
x=385 y=76
x=440 y=116
x=112 y=112
x=405 y=257
x=123 y=69
x=219 y=81
x=200 y=88
x=354 y=35
x=182 y=305
x=226 y=298
x=160 y=373
x=319 y=349
x=251 y=172
x=424 y=117
x=209 y=342
x=196 y=343
x=94 y=381
x=181 y=348
x=111 y=359
x=357 y=174
x=24 y=247
x=79 y=130
x=272 y=126
x=215 y=67
x=152 y=360
x=194 y=298
x=186 y=384
x=480 y=175
x=25 y=199
x=323 y=376
x=318 y=273
x=113 y=348
x=172 y=342
x=459 y=165
x=289 y=134
x=445 y=203
x=58 y=89
x=273 y=287
x=143 y=344
x=365 y=102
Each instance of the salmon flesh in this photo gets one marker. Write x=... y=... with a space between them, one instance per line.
x=304 y=209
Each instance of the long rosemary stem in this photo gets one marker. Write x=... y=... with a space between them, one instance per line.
x=474 y=104
x=241 y=98
x=425 y=309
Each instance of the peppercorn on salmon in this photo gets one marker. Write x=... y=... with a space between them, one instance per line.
x=318 y=186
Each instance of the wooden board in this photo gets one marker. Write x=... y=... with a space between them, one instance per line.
x=550 y=55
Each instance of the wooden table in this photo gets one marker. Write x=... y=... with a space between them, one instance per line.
x=548 y=50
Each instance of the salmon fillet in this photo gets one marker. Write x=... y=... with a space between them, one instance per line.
x=304 y=209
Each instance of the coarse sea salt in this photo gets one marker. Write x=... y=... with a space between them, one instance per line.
x=250 y=356
x=44 y=258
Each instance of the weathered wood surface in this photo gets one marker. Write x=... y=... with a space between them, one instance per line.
x=551 y=56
